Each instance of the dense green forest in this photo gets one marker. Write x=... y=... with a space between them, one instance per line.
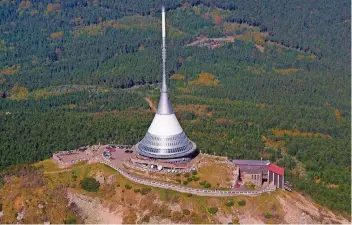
x=271 y=81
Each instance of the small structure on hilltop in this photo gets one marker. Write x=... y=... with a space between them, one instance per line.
x=259 y=172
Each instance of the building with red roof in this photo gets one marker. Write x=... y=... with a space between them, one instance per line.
x=259 y=171
x=276 y=174
x=276 y=169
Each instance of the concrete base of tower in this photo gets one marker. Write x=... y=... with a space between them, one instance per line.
x=183 y=164
x=176 y=160
x=169 y=155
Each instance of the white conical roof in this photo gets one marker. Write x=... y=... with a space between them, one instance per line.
x=165 y=122
x=165 y=125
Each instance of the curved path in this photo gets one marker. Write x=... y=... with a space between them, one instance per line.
x=184 y=189
x=151 y=104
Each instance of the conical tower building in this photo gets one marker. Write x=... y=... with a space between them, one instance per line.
x=165 y=139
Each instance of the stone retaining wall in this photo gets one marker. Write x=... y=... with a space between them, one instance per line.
x=63 y=164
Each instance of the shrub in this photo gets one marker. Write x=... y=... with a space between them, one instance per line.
x=128 y=187
x=176 y=216
x=194 y=173
x=268 y=215
x=202 y=182
x=213 y=210
x=189 y=195
x=242 y=203
x=178 y=181
x=250 y=186
x=145 y=190
x=146 y=219
x=74 y=177
x=230 y=203
x=186 y=175
x=207 y=185
x=70 y=221
x=189 y=179
x=90 y=184
x=136 y=190
x=186 y=212
x=177 y=175
x=185 y=182
x=196 y=178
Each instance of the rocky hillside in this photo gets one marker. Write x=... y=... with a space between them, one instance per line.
x=45 y=193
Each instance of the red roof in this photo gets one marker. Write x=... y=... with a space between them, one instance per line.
x=276 y=169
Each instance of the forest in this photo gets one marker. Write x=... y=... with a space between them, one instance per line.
x=247 y=80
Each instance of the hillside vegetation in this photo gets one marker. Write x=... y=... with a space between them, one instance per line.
x=272 y=81
x=44 y=193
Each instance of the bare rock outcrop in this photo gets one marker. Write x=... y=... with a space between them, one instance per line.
x=93 y=211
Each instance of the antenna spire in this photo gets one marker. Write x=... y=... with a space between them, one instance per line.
x=164 y=107
x=164 y=85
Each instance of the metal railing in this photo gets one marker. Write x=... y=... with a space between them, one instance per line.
x=184 y=189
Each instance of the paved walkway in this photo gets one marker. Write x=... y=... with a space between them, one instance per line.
x=184 y=189
x=118 y=158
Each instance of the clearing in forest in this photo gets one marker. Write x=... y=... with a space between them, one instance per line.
x=205 y=79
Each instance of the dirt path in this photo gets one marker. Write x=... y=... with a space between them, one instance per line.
x=64 y=170
x=260 y=48
x=284 y=46
x=211 y=42
x=151 y=104
x=59 y=171
x=217 y=42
